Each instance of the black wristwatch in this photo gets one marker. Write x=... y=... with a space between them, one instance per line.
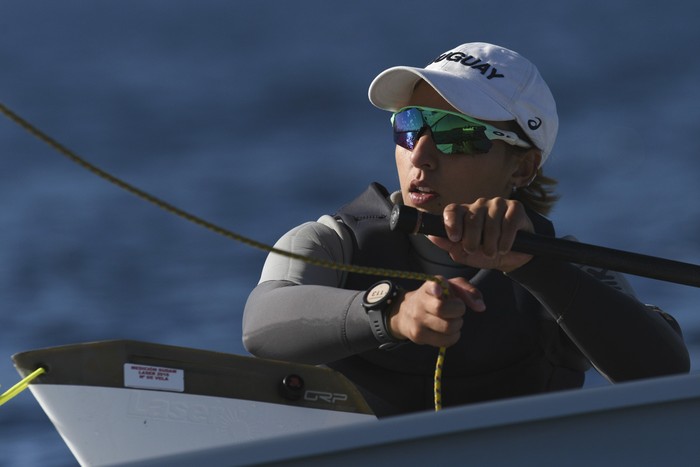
x=376 y=301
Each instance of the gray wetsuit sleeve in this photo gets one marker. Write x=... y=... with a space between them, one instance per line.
x=623 y=338
x=299 y=312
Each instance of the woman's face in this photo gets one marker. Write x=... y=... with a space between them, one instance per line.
x=430 y=180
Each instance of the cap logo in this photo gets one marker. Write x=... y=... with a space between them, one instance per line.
x=471 y=61
x=534 y=123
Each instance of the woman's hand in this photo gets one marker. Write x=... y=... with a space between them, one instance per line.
x=429 y=316
x=481 y=234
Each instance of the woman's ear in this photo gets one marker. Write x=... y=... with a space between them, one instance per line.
x=526 y=168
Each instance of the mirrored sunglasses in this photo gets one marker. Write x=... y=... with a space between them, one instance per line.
x=453 y=133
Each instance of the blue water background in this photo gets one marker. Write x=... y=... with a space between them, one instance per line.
x=254 y=116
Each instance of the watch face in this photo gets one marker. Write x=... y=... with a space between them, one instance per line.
x=378 y=292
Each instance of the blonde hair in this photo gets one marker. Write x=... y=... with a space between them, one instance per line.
x=538 y=195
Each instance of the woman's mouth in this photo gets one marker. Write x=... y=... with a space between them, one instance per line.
x=421 y=195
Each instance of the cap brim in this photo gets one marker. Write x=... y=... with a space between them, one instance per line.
x=392 y=90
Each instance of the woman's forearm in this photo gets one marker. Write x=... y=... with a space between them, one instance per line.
x=622 y=337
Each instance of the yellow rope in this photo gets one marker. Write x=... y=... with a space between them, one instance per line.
x=225 y=232
x=439 y=362
x=437 y=385
x=21 y=386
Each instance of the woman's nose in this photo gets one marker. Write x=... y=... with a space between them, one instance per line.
x=425 y=153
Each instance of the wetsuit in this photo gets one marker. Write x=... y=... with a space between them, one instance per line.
x=543 y=326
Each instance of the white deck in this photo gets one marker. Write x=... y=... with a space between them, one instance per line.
x=645 y=423
x=113 y=426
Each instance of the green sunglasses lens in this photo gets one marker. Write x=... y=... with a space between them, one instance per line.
x=454 y=135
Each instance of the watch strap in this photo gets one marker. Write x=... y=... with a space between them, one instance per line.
x=377 y=313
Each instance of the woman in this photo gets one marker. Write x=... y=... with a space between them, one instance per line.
x=472 y=130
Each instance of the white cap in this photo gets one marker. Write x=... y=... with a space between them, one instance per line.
x=481 y=80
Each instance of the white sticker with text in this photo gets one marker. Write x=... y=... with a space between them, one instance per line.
x=153 y=377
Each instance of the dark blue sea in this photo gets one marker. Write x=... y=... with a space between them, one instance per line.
x=254 y=116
